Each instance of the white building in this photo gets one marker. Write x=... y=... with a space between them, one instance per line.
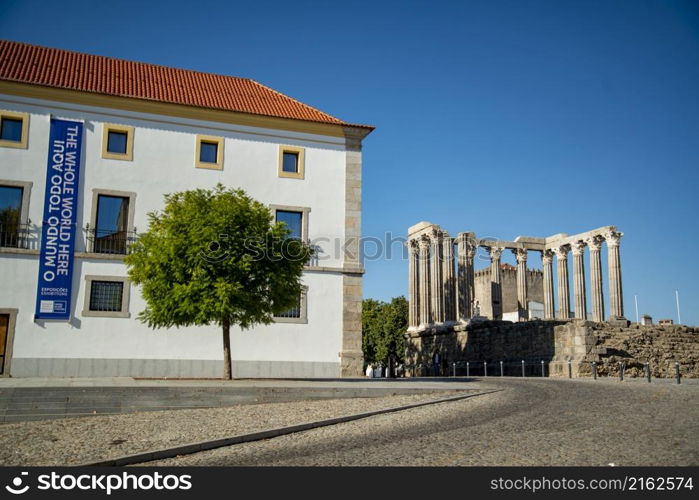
x=150 y=130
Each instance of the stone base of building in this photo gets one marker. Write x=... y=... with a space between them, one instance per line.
x=169 y=368
x=567 y=348
x=618 y=321
x=352 y=364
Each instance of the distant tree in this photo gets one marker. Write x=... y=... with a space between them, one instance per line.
x=216 y=256
x=371 y=328
x=383 y=326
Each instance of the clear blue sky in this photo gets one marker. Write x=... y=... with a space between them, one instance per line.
x=501 y=117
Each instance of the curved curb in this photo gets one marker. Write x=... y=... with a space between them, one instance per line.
x=190 y=448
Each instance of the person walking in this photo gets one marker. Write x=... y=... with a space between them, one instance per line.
x=436 y=362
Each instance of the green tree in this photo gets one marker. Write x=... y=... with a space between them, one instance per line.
x=383 y=326
x=371 y=328
x=216 y=256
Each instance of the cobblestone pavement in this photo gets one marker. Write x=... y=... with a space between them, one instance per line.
x=531 y=422
x=73 y=441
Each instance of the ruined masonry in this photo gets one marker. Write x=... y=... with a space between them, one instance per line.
x=437 y=297
x=447 y=313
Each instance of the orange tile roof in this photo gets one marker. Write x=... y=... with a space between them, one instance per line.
x=31 y=64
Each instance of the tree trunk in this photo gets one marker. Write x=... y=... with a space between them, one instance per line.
x=227 y=372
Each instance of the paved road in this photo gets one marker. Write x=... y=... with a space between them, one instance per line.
x=529 y=422
x=45 y=399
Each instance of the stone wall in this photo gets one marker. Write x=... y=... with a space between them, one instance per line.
x=491 y=341
x=508 y=279
x=608 y=345
x=557 y=343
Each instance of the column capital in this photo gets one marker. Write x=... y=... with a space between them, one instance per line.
x=594 y=242
x=546 y=257
x=495 y=252
x=436 y=235
x=423 y=242
x=613 y=237
x=562 y=252
x=578 y=247
x=521 y=254
x=412 y=245
x=466 y=238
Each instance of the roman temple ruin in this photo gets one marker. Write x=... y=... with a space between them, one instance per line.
x=444 y=294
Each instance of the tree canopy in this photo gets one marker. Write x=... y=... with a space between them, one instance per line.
x=216 y=256
x=383 y=326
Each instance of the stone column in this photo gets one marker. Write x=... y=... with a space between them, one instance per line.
x=496 y=290
x=563 y=287
x=437 y=283
x=413 y=285
x=466 y=252
x=594 y=243
x=448 y=277
x=579 y=279
x=463 y=302
x=616 y=298
x=549 y=305
x=522 y=302
x=424 y=281
x=470 y=278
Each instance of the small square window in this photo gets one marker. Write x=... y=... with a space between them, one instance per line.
x=116 y=142
x=294 y=312
x=106 y=296
x=293 y=221
x=14 y=129
x=208 y=152
x=291 y=162
x=11 y=129
x=298 y=313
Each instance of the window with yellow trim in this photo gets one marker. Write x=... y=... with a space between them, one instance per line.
x=209 y=152
x=14 y=129
x=117 y=142
x=291 y=162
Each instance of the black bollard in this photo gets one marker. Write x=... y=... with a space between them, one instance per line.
x=502 y=372
x=485 y=368
x=453 y=369
x=594 y=370
x=677 y=371
x=647 y=367
x=468 y=368
x=570 y=369
x=543 y=371
x=523 y=368
x=621 y=372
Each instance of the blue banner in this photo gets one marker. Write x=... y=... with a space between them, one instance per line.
x=60 y=220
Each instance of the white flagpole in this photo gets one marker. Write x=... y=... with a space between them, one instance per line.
x=635 y=299
x=677 y=300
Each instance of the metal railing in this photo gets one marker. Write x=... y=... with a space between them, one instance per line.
x=110 y=242
x=14 y=235
x=523 y=368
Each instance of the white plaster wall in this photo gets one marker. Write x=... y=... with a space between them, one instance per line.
x=90 y=337
x=163 y=152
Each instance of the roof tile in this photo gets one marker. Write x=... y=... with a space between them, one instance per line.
x=31 y=64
